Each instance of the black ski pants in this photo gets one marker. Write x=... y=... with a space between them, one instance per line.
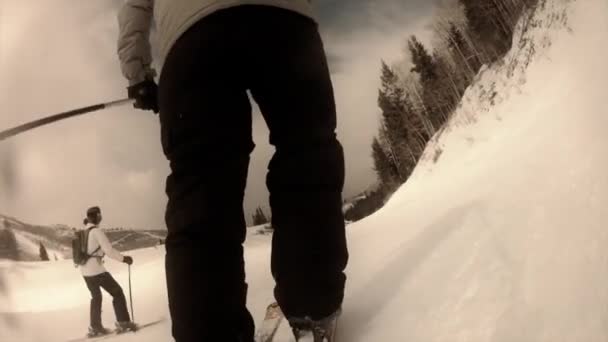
x=206 y=130
x=106 y=281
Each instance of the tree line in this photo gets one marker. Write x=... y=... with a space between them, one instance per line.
x=416 y=103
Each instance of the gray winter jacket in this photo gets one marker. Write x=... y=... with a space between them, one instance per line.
x=172 y=18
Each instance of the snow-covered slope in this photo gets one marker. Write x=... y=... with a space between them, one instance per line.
x=30 y=244
x=502 y=239
x=29 y=237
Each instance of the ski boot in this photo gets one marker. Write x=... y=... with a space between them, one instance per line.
x=97 y=331
x=122 y=327
x=322 y=330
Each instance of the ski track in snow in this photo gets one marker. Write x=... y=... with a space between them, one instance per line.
x=502 y=239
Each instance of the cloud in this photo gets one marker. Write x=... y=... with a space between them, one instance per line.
x=60 y=55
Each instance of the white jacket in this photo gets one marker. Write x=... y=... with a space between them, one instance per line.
x=98 y=246
x=172 y=18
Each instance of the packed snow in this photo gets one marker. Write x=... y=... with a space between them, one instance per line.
x=501 y=239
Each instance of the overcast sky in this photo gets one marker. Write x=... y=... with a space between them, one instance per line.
x=59 y=55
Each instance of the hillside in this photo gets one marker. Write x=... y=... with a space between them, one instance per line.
x=21 y=241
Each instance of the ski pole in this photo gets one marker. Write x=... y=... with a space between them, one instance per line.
x=49 y=119
x=131 y=297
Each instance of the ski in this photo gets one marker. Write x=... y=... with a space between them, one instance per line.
x=314 y=332
x=270 y=324
x=115 y=333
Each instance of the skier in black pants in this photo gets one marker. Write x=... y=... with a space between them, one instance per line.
x=97 y=277
x=212 y=53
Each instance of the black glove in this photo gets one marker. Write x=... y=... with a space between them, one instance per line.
x=145 y=95
x=127 y=260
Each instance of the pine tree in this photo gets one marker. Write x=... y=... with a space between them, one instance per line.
x=8 y=245
x=432 y=98
x=394 y=126
x=43 y=254
x=467 y=62
x=417 y=133
x=422 y=60
x=448 y=89
x=385 y=169
x=492 y=22
x=259 y=218
x=417 y=112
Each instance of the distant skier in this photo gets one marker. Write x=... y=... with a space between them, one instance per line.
x=97 y=277
x=212 y=53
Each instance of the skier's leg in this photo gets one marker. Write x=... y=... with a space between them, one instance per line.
x=306 y=174
x=108 y=283
x=206 y=135
x=96 y=301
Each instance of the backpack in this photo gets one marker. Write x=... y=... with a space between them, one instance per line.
x=80 y=244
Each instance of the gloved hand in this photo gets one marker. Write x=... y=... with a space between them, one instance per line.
x=127 y=260
x=145 y=95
